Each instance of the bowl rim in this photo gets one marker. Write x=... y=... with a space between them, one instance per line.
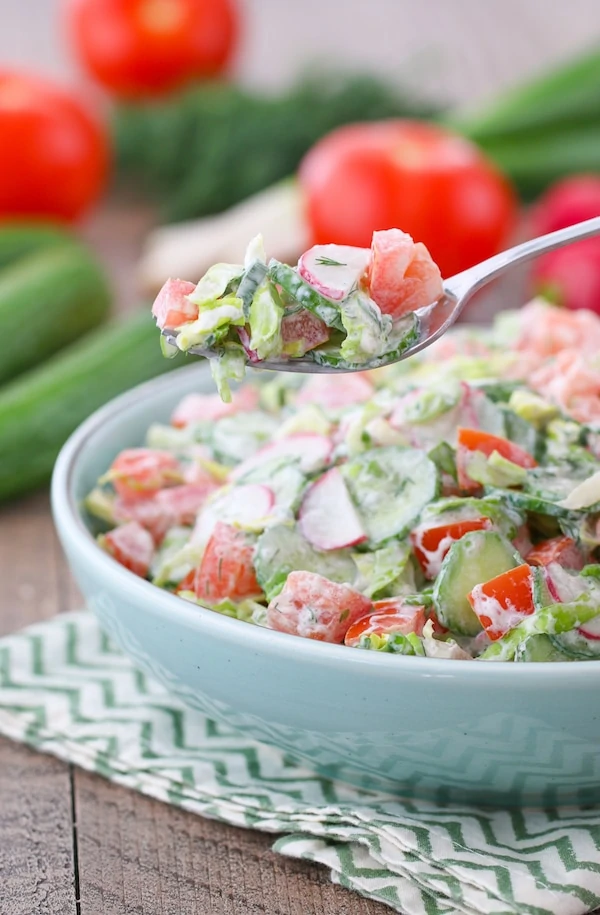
x=68 y=518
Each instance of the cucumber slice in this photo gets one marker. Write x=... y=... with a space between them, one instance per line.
x=553 y=483
x=475 y=558
x=542 y=648
x=390 y=487
x=528 y=502
x=456 y=508
x=404 y=334
x=249 y=283
x=305 y=295
x=282 y=549
x=577 y=645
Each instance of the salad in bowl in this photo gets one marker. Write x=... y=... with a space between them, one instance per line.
x=444 y=507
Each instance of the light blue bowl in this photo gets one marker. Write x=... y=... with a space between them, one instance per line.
x=452 y=730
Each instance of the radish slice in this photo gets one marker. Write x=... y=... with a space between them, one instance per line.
x=245 y=341
x=333 y=393
x=196 y=408
x=334 y=270
x=312 y=449
x=242 y=506
x=591 y=629
x=328 y=519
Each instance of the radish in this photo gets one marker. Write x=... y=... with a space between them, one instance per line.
x=241 y=506
x=335 y=393
x=334 y=270
x=313 y=450
x=195 y=408
x=245 y=341
x=328 y=519
x=591 y=629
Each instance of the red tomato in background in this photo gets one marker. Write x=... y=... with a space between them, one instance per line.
x=413 y=176
x=53 y=153
x=569 y=276
x=137 y=48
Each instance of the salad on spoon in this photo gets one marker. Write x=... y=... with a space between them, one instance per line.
x=341 y=308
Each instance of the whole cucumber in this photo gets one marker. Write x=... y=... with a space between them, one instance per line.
x=20 y=238
x=40 y=409
x=47 y=300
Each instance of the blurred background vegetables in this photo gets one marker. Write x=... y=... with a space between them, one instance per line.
x=141 y=48
x=53 y=152
x=211 y=146
x=327 y=157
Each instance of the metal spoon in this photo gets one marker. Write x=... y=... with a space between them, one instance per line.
x=435 y=319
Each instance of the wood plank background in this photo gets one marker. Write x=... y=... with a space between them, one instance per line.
x=70 y=843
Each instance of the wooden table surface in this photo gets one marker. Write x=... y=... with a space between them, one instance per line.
x=71 y=843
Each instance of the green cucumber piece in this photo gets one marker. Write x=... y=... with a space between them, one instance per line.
x=475 y=558
x=47 y=300
x=304 y=294
x=577 y=645
x=249 y=283
x=390 y=487
x=542 y=648
x=40 y=409
x=405 y=333
x=20 y=239
x=282 y=549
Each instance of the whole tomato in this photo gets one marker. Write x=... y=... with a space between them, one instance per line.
x=417 y=177
x=53 y=154
x=569 y=276
x=138 y=48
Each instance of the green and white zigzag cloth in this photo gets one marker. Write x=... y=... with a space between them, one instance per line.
x=66 y=690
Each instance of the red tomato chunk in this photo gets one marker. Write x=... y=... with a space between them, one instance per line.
x=226 y=569
x=563 y=550
x=431 y=544
x=504 y=601
x=390 y=617
x=132 y=546
x=138 y=472
x=315 y=608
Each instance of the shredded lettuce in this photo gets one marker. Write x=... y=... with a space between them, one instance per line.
x=368 y=330
x=214 y=283
x=230 y=365
x=386 y=572
x=266 y=313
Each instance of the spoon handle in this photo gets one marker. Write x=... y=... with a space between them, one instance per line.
x=469 y=281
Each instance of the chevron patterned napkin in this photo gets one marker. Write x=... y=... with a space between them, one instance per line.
x=66 y=689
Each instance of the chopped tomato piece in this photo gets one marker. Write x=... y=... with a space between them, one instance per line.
x=226 y=569
x=136 y=473
x=504 y=601
x=315 y=608
x=562 y=550
x=177 y=505
x=197 y=407
x=132 y=546
x=470 y=440
x=187 y=583
x=478 y=440
x=430 y=544
x=402 y=275
x=390 y=617
x=172 y=307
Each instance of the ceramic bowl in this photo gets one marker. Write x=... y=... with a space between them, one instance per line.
x=450 y=730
